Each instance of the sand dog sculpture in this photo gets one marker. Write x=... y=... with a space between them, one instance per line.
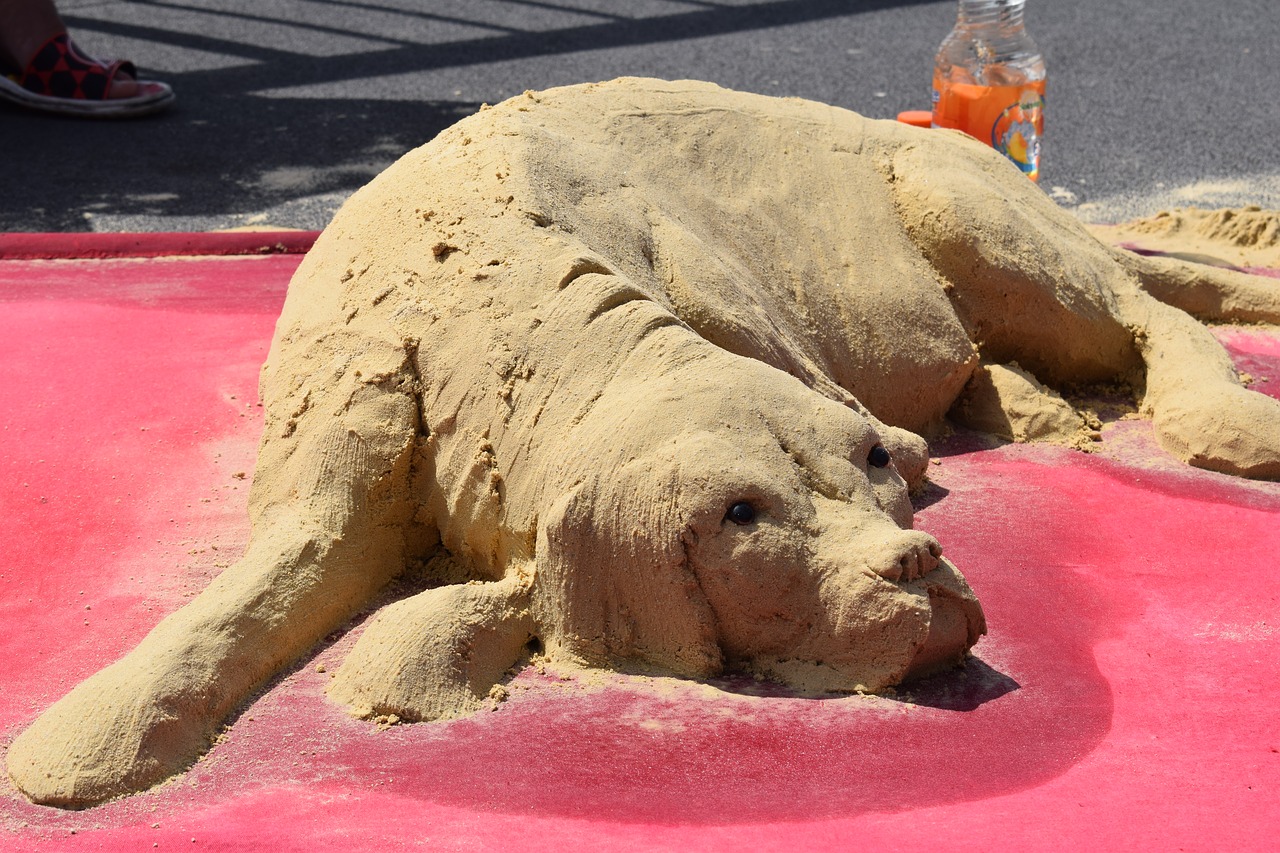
x=638 y=370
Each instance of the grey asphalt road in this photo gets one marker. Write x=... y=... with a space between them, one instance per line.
x=287 y=106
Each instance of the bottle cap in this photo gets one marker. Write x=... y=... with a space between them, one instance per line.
x=916 y=118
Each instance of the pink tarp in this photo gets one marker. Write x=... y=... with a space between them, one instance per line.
x=1127 y=696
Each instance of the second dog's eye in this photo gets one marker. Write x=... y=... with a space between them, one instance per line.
x=879 y=457
x=741 y=513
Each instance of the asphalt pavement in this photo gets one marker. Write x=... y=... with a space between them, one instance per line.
x=287 y=106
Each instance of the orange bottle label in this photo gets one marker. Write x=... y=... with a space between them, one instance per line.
x=1008 y=118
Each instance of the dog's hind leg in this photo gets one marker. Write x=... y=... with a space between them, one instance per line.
x=1031 y=284
x=1200 y=410
x=330 y=509
x=1028 y=282
x=1202 y=413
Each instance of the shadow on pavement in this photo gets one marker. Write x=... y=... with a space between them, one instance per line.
x=234 y=145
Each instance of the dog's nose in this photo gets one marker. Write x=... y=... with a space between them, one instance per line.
x=914 y=555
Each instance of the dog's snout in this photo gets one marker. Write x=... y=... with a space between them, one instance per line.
x=914 y=556
x=871 y=542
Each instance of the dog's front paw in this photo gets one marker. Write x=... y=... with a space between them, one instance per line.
x=437 y=654
x=116 y=733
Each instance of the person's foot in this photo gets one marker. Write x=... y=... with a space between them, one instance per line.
x=60 y=78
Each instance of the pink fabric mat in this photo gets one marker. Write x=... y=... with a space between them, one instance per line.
x=1127 y=696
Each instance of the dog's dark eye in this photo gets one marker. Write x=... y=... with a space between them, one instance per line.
x=878 y=457
x=741 y=513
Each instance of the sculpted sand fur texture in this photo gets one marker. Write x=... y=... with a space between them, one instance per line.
x=649 y=362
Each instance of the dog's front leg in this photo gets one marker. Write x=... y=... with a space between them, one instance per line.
x=330 y=509
x=439 y=653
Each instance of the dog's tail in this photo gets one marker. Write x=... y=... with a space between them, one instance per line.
x=1211 y=293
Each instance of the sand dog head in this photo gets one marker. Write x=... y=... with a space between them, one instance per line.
x=769 y=532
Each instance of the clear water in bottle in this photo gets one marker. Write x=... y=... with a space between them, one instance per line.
x=988 y=81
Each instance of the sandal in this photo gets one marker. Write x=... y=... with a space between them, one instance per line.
x=61 y=79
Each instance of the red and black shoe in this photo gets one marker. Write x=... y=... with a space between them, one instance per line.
x=62 y=79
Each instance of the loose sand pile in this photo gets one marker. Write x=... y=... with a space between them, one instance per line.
x=1241 y=237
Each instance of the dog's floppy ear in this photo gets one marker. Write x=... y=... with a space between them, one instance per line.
x=612 y=582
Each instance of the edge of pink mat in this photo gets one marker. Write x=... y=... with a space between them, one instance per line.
x=23 y=246
x=50 y=246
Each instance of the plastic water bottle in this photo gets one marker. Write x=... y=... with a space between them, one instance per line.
x=988 y=81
